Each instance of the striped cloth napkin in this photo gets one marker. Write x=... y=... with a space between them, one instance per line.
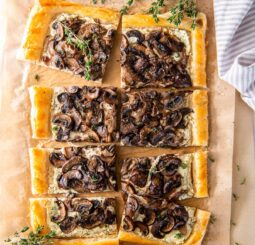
x=235 y=37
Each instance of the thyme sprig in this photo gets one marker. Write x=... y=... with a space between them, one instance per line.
x=125 y=8
x=83 y=46
x=182 y=8
x=154 y=10
x=34 y=237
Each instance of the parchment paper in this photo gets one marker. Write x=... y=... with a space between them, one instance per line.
x=15 y=129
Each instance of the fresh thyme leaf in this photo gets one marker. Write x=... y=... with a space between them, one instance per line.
x=102 y=1
x=154 y=10
x=235 y=196
x=212 y=219
x=211 y=159
x=238 y=167
x=94 y=1
x=152 y=170
x=233 y=223
x=236 y=243
x=37 y=77
x=243 y=182
x=184 y=165
x=178 y=235
x=182 y=8
x=94 y=127
x=125 y=8
x=33 y=238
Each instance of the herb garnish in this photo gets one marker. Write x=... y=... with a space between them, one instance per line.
x=125 y=8
x=37 y=77
x=33 y=238
x=178 y=235
x=211 y=159
x=154 y=10
x=184 y=165
x=243 y=182
x=182 y=8
x=238 y=167
x=233 y=223
x=235 y=196
x=82 y=45
x=212 y=219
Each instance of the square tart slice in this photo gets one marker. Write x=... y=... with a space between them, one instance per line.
x=169 y=176
x=75 y=217
x=74 y=114
x=158 y=221
x=164 y=119
x=77 y=169
x=70 y=37
x=162 y=55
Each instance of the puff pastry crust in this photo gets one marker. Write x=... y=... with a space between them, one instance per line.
x=50 y=175
x=114 y=241
x=48 y=212
x=195 y=238
x=183 y=176
x=197 y=40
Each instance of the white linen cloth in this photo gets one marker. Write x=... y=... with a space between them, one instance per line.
x=235 y=37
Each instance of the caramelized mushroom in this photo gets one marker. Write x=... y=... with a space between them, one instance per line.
x=63 y=120
x=143 y=228
x=57 y=159
x=62 y=212
x=76 y=160
x=131 y=206
x=135 y=36
x=128 y=224
x=66 y=179
x=68 y=225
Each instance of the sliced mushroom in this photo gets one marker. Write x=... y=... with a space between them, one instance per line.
x=66 y=179
x=143 y=228
x=156 y=186
x=131 y=206
x=168 y=225
x=68 y=225
x=91 y=93
x=77 y=119
x=76 y=160
x=62 y=120
x=109 y=202
x=82 y=205
x=174 y=182
x=156 y=230
x=59 y=31
x=62 y=212
x=57 y=159
x=150 y=216
x=139 y=178
x=128 y=224
x=110 y=217
x=135 y=36
x=168 y=164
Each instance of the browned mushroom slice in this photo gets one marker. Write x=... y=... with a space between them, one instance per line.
x=91 y=93
x=62 y=120
x=168 y=164
x=168 y=225
x=156 y=186
x=128 y=224
x=70 y=179
x=76 y=160
x=59 y=31
x=68 y=225
x=62 y=212
x=109 y=202
x=150 y=216
x=57 y=159
x=174 y=182
x=110 y=217
x=136 y=36
x=93 y=220
x=143 y=228
x=82 y=205
x=131 y=206
x=156 y=229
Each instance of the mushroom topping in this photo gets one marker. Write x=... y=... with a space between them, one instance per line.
x=110 y=218
x=154 y=59
x=68 y=225
x=139 y=178
x=156 y=186
x=135 y=36
x=174 y=182
x=168 y=164
x=82 y=205
x=143 y=228
x=92 y=93
x=57 y=159
x=131 y=206
x=70 y=179
x=128 y=224
x=78 y=45
x=62 y=212
x=63 y=120
x=150 y=216
x=76 y=160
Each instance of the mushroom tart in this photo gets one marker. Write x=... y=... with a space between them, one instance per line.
x=70 y=37
x=77 y=169
x=168 y=176
x=160 y=55
x=164 y=119
x=75 y=216
x=158 y=221
x=74 y=113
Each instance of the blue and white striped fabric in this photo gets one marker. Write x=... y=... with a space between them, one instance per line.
x=235 y=36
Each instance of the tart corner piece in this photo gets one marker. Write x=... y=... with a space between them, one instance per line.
x=40 y=98
x=39 y=170
x=182 y=48
x=200 y=125
x=159 y=221
x=112 y=241
x=68 y=36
